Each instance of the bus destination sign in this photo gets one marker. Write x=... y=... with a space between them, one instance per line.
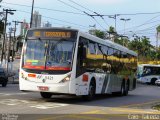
x=50 y=34
x=58 y=34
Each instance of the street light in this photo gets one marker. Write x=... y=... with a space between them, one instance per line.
x=125 y=20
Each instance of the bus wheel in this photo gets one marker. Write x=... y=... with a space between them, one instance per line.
x=153 y=80
x=91 y=92
x=45 y=95
x=126 y=88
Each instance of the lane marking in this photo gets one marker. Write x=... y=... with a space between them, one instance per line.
x=48 y=105
x=87 y=117
x=9 y=94
x=122 y=111
x=93 y=112
x=75 y=117
x=131 y=110
x=32 y=104
x=53 y=118
x=141 y=104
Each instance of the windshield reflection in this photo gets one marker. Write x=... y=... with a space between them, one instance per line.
x=48 y=54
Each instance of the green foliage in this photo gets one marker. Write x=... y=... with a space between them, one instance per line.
x=111 y=29
x=143 y=47
x=158 y=28
x=100 y=34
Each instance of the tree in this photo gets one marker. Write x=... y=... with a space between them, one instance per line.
x=143 y=47
x=100 y=34
x=112 y=29
x=158 y=28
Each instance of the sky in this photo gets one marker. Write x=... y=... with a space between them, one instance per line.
x=144 y=15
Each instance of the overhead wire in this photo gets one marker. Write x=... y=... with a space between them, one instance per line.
x=53 y=18
x=133 y=14
x=81 y=11
x=90 y=11
x=81 y=6
x=43 y=8
x=84 y=13
x=138 y=26
x=70 y=5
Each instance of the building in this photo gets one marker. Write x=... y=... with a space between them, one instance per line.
x=47 y=24
x=36 y=20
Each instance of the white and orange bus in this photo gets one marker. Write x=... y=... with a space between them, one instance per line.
x=68 y=61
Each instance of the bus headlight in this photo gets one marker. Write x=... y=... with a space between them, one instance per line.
x=66 y=79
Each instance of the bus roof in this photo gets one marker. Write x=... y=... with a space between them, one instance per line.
x=108 y=43
x=94 y=38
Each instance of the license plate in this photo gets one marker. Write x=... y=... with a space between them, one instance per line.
x=48 y=77
x=43 y=88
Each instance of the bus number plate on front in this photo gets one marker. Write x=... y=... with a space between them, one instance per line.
x=43 y=88
x=48 y=77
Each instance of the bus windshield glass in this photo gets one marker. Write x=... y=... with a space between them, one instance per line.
x=49 y=54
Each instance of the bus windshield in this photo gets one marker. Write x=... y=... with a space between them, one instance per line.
x=54 y=54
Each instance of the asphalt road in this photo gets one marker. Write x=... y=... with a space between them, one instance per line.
x=30 y=105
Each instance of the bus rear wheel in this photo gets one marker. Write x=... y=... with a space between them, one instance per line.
x=45 y=95
x=153 y=80
x=124 y=88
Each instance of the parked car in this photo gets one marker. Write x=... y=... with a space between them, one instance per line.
x=157 y=82
x=3 y=77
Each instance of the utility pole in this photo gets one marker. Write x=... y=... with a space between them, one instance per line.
x=115 y=20
x=15 y=29
x=4 y=32
x=157 y=36
x=32 y=14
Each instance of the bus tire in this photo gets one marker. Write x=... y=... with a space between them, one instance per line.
x=153 y=80
x=91 y=91
x=126 y=88
x=134 y=83
x=45 y=95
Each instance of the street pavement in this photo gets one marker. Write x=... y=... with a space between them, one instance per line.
x=138 y=103
x=15 y=104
